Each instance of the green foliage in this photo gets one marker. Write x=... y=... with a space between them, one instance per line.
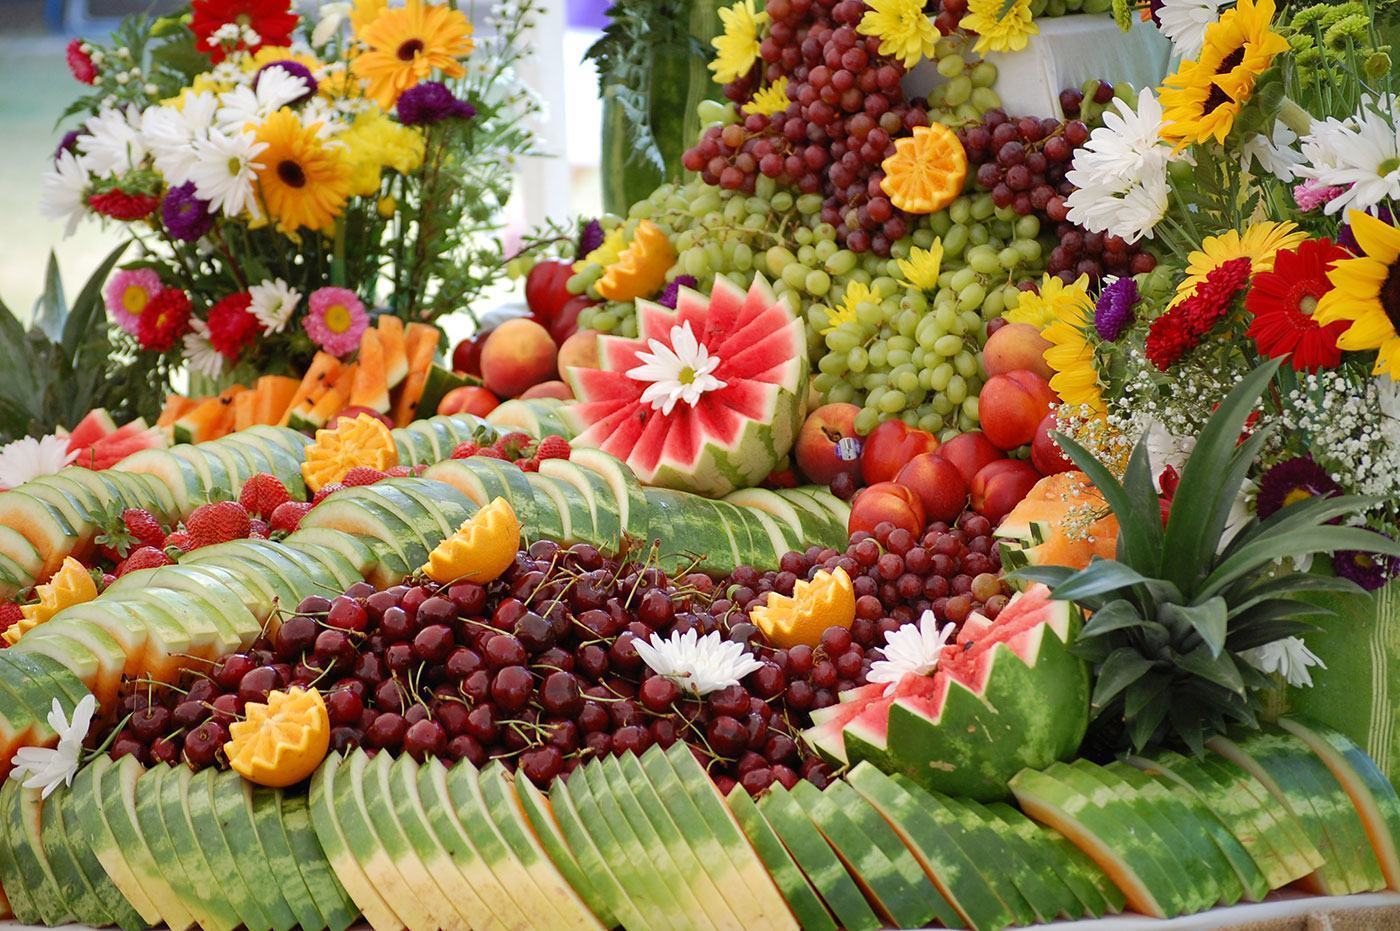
x=1174 y=611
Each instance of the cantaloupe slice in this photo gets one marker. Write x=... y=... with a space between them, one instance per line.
x=323 y=370
x=245 y=407
x=370 y=388
x=275 y=393
x=175 y=406
x=420 y=345
x=201 y=422
x=392 y=339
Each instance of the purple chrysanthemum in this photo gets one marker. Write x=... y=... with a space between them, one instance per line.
x=590 y=237
x=1347 y=240
x=186 y=216
x=1292 y=481
x=69 y=143
x=1154 y=8
x=673 y=290
x=431 y=102
x=1114 y=311
x=297 y=70
x=1369 y=570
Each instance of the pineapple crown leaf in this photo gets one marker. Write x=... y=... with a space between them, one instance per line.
x=1257 y=633
x=1119 y=614
x=1302 y=514
x=1139 y=533
x=1121 y=669
x=1303 y=541
x=1204 y=623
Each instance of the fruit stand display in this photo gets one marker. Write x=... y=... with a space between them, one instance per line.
x=902 y=512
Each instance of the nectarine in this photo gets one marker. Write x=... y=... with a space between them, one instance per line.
x=579 y=351
x=1012 y=405
x=889 y=446
x=969 y=451
x=938 y=483
x=549 y=389
x=820 y=452
x=886 y=501
x=1046 y=454
x=1016 y=346
x=518 y=353
x=1001 y=485
x=468 y=399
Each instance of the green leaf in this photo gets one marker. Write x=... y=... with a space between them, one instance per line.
x=1136 y=545
x=1277 y=609
x=1248 y=636
x=1218 y=668
x=1116 y=615
x=1143 y=727
x=1208 y=619
x=1187 y=537
x=1142 y=491
x=1123 y=667
x=1048 y=575
x=1244 y=596
x=88 y=312
x=1100 y=576
x=1309 y=513
x=1143 y=693
x=51 y=310
x=1325 y=539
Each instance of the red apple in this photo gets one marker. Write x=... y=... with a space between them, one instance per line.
x=886 y=501
x=969 y=452
x=356 y=410
x=549 y=389
x=1000 y=486
x=466 y=357
x=1012 y=405
x=545 y=290
x=828 y=445
x=468 y=399
x=566 y=323
x=518 y=353
x=889 y=446
x=1016 y=346
x=1046 y=454
x=939 y=485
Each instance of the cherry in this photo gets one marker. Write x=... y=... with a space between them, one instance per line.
x=559 y=694
x=424 y=738
x=481 y=724
x=512 y=687
x=732 y=700
x=296 y=636
x=126 y=745
x=396 y=624
x=189 y=714
x=462 y=662
x=433 y=643
x=347 y=614
x=165 y=750
x=541 y=765
x=634 y=738
x=387 y=732
x=203 y=744
x=466 y=747
x=257 y=683
x=468 y=598
x=313 y=604
x=150 y=722
x=503 y=650
x=231 y=670
x=658 y=693
x=593 y=717
x=727 y=736
x=452 y=715
x=343 y=706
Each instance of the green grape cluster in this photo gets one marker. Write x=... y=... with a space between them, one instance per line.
x=1066 y=7
x=968 y=88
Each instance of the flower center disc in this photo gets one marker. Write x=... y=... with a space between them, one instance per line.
x=337 y=318
x=134 y=300
x=291 y=173
x=1216 y=98
x=410 y=49
x=1390 y=294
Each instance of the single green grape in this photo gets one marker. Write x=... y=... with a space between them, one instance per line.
x=965 y=363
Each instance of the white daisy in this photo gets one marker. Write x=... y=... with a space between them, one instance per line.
x=27 y=458
x=912 y=649
x=46 y=767
x=699 y=665
x=679 y=372
x=244 y=106
x=199 y=351
x=170 y=134
x=273 y=303
x=1125 y=148
x=1290 y=657
x=224 y=171
x=111 y=143
x=63 y=191
x=1185 y=23
x=1131 y=212
x=1361 y=154
x=1274 y=153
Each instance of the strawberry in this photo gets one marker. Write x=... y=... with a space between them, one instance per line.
x=218 y=522
x=420 y=468
x=147 y=557
x=465 y=450
x=528 y=465
x=512 y=445
x=262 y=493
x=107 y=579
x=491 y=452
x=179 y=540
x=132 y=528
x=325 y=492
x=362 y=475
x=553 y=447
x=9 y=614
x=399 y=471
x=288 y=516
x=258 y=529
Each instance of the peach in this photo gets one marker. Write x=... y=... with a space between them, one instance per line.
x=886 y=501
x=969 y=452
x=938 y=483
x=518 y=353
x=1001 y=485
x=1046 y=454
x=827 y=444
x=549 y=389
x=579 y=351
x=1016 y=346
x=889 y=446
x=1012 y=405
x=468 y=399
x=356 y=410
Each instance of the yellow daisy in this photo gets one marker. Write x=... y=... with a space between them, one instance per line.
x=1071 y=355
x=271 y=54
x=772 y=99
x=1055 y=300
x=1000 y=26
x=1366 y=291
x=1201 y=100
x=902 y=27
x=737 y=48
x=304 y=182
x=856 y=294
x=404 y=45
x=1260 y=244
x=922 y=267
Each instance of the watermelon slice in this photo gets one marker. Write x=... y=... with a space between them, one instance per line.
x=106 y=451
x=97 y=424
x=730 y=435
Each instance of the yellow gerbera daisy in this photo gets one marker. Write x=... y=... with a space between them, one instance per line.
x=922 y=267
x=857 y=293
x=737 y=47
x=271 y=54
x=1071 y=355
x=405 y=45
x=1260 y=244
x=304 y=182
x=1366 y=291
x=1201 y=100
x=1000 y=26
x=1055 y=300
x=902 y=27
x=772 y=99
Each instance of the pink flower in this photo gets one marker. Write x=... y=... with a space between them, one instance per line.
x=335 y=320
x=1312 y=194
x=127 y=294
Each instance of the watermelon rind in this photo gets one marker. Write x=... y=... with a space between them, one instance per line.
x=806 y=905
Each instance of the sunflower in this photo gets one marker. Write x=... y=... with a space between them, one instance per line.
x=405 y=44
x=1260 y=244
x=1001 y=26
x=772 y=99
x=1366 y=293
x=903 y=28
x=1201 y=100
x=304 y=182
x=737 y=48
x=1054 y=300
x=1071 y=354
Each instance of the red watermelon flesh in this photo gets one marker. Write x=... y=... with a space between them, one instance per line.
x=110 y=450
x=870 y=712
x=97 y=424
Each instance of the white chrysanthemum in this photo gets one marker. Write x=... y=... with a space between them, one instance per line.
x=170 y=135
x=244 y=107
x=1290 y=657
x=1360 y=154
x=679 y=372
x=911 y=650
x=1131 y=212
x=111 y=143
x=1185 y=23
x=28 y=458
x=45 y=767
x=199 y=351
x=1126 y=148
x=273 y=304
x=224 y=171
x=699 y=665
x=63 y=191
x=1274 y=153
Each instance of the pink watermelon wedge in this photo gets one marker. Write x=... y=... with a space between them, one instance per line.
x=97 y=424
x=107 y=451
x=730 y=436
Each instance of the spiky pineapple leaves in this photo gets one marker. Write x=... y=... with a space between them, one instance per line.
x=1174 y=611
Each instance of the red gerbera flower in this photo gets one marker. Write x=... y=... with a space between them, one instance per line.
x=232 y=325
x=165 y=319
x=1282 y=302
x=80 y=62
x=119 y=205
x=272 y=20
x=1181 y=328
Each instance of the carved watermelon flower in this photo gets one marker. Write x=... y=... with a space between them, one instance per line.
x=911 y=649
x=681 y=371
